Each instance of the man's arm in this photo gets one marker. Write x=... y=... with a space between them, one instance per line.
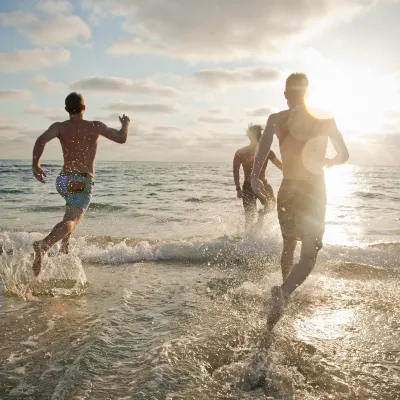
x=340 y=146
x=275 y=160
x=113 y=134
x=264 y=146
x=236 y=176
x=38 y=149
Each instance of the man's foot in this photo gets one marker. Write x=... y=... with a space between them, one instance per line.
x=39 y=255
x=64 y=248
x=277 y=306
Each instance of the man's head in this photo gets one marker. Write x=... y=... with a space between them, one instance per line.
x=254 y=132
x=74 y=103
x=296 y=87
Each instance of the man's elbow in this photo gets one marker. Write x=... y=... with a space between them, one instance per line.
x=122 y=140
x=345 y=156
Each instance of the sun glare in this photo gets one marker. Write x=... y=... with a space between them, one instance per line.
x=357 y=99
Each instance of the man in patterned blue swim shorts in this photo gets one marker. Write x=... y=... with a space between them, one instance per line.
x=78 y=139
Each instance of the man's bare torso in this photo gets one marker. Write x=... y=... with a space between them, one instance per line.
x=78 y=140
x=303 y=141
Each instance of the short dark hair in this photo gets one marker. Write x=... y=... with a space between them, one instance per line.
x=74 y=103
x=255 y=130
x=297 y=82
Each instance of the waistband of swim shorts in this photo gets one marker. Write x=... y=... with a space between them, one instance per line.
x=82 y=174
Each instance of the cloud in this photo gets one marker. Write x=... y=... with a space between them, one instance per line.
x=215 y=120
x=220 y=29
x=259 y=112
x=167 y=129
x=143 y=108
x=239 y=76
x=54 y=7
x=59 y=30
x=16 y=94
x=215 y=111
x=56 y=29
x=17 y=19
x=33 y=59
x=45 y=84
x=52 y=114
x=113 y=84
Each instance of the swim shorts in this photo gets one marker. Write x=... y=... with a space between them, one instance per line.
x=301 y=210
x=249 y=198
x=76 y=189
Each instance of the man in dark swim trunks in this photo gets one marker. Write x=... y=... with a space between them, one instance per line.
x=78 y=139
x=303 y=140
x=245 y=157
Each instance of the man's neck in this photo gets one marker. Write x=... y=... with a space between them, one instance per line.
x=75 y=117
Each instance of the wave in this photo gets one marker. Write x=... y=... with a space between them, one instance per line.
x=393 y=247
x=94 y=207
x=250 y=250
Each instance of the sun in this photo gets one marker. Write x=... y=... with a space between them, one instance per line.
x=358 y=99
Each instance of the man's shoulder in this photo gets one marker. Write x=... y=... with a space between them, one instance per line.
x=279 y=115
x=242 y=151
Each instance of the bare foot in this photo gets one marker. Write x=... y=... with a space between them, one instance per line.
x=277 y=306
x=64 y=248
x=38 y=261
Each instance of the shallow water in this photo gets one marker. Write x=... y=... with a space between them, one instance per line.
x=180 y=313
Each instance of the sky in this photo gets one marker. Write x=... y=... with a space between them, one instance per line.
x=192 y=75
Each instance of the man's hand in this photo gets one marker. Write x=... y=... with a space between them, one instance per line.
x=125 y=121
x=258 y=188
x=38 y=173
x=239 y=193
x=329 y=162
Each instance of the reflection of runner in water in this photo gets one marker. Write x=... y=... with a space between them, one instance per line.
x=78 y=139
x=245 y=157
x=303 y=140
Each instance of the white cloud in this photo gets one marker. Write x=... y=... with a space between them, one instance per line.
x=143 y=108
x=16 y=94
x=33 y=59
x=220 y=29
x=113 y=84
x=47 y=85
x=57 y=29
x=167 y=128
x=259 y=112
x=17 y=18
x=54 y=7
x=215 y=120
x=52 y=114
x=239 y=76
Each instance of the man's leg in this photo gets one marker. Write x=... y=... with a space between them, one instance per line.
x=289 y=247
x=297 y=276
x=65 y=244
x=250 y=205
x=62 y=230
x=303 y=268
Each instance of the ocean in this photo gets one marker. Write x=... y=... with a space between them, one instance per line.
x=164 y=296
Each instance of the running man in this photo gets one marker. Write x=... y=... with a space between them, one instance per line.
x=79 y=140
x=245 y=157
x=303 y=140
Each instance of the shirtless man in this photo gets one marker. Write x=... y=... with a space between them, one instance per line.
x=303 y=140
x=79 y=140
x=245 y=157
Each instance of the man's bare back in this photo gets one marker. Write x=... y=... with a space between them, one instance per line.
x=303 y=141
